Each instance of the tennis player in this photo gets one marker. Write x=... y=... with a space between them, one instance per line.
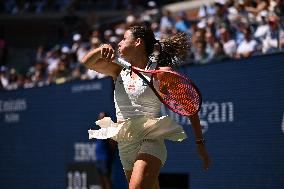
x=139 y=130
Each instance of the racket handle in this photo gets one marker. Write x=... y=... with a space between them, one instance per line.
x=123 y=63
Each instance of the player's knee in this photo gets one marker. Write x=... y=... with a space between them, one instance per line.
x=141 y=185
x=144 y=183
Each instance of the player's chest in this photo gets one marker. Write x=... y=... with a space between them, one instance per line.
x=132 y=85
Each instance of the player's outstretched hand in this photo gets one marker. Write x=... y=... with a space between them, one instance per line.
x=204 y=156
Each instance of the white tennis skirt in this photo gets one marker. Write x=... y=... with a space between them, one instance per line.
x=141 y=134
x=138 y=128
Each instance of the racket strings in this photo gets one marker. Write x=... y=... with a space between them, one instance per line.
x=179 y=93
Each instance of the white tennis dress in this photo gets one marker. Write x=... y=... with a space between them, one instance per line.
x=138 y=119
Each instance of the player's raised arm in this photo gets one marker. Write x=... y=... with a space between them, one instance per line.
x=101 y=60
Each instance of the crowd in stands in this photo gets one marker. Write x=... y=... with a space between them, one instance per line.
x=224 y=29
x=32 y=6
x=41 y=6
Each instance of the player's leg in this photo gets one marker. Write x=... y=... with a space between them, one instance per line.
x=145 y=172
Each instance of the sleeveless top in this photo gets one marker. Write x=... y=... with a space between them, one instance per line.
x=133 y=97
x=138 y=114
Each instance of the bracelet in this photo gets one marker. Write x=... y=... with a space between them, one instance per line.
x=200 y=141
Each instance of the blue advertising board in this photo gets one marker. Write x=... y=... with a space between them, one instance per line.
x=44 y=141
x=243 y=122
x=44 y=134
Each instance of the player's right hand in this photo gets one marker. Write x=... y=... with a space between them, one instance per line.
x=107 y=52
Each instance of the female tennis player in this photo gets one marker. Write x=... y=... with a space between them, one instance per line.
x=140 y=131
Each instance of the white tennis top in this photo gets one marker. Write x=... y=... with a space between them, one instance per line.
x=133 y=97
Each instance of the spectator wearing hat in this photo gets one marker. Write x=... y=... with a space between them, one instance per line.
x=79 y=48
x=77 y=40
x=262 y=25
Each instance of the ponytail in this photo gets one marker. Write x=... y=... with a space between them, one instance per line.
x=173 y=50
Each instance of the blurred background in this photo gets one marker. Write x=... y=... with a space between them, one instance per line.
x=48 y=100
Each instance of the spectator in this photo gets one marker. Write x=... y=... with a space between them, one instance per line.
x=229 y=44
x=40 y=54
x=201 y=56
x=261 y=5
x=79 y=48
x=219 y=53
x=238 y=12
x=239 y=28
x=247 y=46
x=4 y=82
x=262 y=26
x=273 y=36
x=13 y=80
x=276 y=7
x=61 y=73
x=181 y=23
x=107 y=35
x=77 y=41
x=167 y=21
x=152 y=13
x=52 y=59
x=95 y=42
x=210 y=44
x=221 y=14
x=39 y=77
x=155 y=27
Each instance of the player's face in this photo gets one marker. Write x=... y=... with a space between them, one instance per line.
x=126 y=45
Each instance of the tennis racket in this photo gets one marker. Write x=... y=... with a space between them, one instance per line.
x=174 y=90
